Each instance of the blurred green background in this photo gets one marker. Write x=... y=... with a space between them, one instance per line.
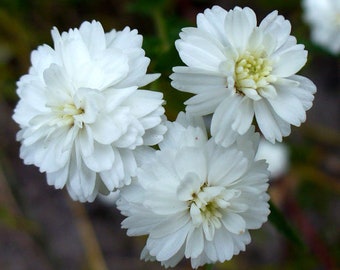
x=41 y=228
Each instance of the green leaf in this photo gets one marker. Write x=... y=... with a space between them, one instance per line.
x=13 y=221
x=282 y=225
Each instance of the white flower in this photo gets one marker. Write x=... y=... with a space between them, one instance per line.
x=196 y=199
x=80 y=113
x=109 y=199
x=239 y=70
x=276 y=156
x=324 y=20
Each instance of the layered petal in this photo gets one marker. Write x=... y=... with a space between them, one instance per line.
x=194 y=201
x=80 y=112
x=237 y=70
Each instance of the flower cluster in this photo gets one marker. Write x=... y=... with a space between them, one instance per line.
x=240 y=71
x=195 y=198
x=80 y=113
x=87 y=125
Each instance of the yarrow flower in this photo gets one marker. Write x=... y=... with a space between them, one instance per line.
x=80 y=113
x=324 y=20
x=240 y=71
x=196 y=199
x=276 y=155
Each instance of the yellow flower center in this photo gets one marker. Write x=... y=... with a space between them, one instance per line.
x=252 y=71
x=206 y=207
x=68 y=114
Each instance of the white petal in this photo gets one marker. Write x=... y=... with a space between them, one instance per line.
x=58 y=178
x=233 y=222
x=217 y=168
x=106 y=130
x=290 y=62
x=140 y=223
x=248 y=142
x=113 y=177
x=271 y=126
x=187 y=120
x=210 y=250
x=196 y=81
x=42 y=58
x=164 y=171
x=268 y=91
x=195 y=56
x=191 y=160
x=116 y=96
x=256 y=39
x=81 y=180
x=212 y=22
x=101 y=159
x=170 y=225
x=243 y=116
x=219 y=174
x=202 y=40
x=208 y=229
x=195 y=243
x=125 y=39
x=240 y=241
x=147 y=79
x=154 y=135
x=287 y=106
x=200 y=261
x=177 y=136
x=206 y=102
x=277 y=26
x=110 y=67
x=90 y=101
x=52 y=157
x=143 y=102
x=191 y=184
x=137 y=75
x=129 y=162
x=224 y=245
x=239 y=24
x=165 y=205
x=57 y=83
x=151 y=120
x=165 y=249
x=256 y=215
x=303 y=89
x=93 y=35
x=74 y=54
x=222 y=120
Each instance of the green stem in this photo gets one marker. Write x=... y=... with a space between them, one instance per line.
x=93 y=253
x=208 y=267
x=282 y=225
